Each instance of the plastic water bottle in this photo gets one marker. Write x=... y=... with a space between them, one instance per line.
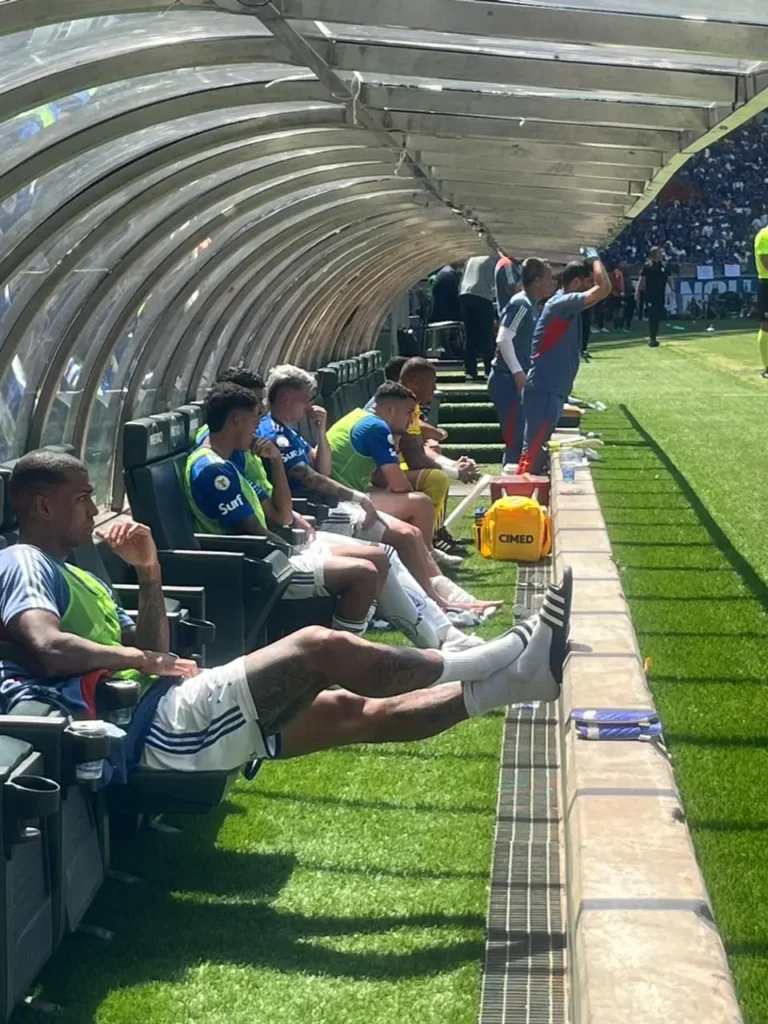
x=89 y=771
x=479 y=517
x=568 y=466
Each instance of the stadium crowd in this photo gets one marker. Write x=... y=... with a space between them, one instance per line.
x=712 y=209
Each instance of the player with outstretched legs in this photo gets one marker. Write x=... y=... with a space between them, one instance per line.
x=61 y=628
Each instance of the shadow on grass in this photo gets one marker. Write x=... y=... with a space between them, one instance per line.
x=203 y=904
x=754 y=583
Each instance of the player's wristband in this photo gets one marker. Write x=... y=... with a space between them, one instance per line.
x=447 y=466
x=358 y=497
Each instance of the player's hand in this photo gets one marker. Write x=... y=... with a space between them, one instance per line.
x=153 y=663
x=468 y=471
x=589 y=252
x=520 y=380
x=133 y=542
x=265 y=449
x=300 y=523
x=371 y=513
x=319 y=416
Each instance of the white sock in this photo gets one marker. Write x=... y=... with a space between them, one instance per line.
x=482 y=662
x=530 y=677
x=401 y=610
x=349 y=625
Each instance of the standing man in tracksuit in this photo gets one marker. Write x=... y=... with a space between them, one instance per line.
x=556 y=352
x=513 y=353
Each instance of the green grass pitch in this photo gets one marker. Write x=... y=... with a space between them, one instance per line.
x=684 y=490
x=349 y=887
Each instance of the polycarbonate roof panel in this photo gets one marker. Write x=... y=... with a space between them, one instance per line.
x=27 y=56
x=23 y=136
x=56 y=187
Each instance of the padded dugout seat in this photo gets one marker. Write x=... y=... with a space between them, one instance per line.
x=188 y=558
x=30 y=869
x=189 y=629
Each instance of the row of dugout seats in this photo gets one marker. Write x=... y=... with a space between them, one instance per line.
x=223 y=597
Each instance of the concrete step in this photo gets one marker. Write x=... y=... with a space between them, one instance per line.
x=465 y=393
x=481 y=453
x=474 y=433
x=466 y=412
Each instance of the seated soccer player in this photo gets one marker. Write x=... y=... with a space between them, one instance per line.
x=556 y=352
x=363 y=452
x=61 y=628
x=224 y=500
x=426 y=468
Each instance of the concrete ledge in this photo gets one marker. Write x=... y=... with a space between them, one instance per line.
x=642 y=945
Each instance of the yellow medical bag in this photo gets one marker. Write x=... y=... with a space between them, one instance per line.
x=516 y=529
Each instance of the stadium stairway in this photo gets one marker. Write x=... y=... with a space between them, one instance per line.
x=468 y=415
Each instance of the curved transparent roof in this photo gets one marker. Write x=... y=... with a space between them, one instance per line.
x=183 y=186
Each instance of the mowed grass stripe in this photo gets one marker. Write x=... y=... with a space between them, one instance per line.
x=350 y=887
x=692 y=560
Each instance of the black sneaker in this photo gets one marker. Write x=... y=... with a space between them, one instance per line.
x=450 y=545
x=765 y=373
x=653 y=343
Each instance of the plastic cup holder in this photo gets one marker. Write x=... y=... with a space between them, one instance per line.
x=33 y=796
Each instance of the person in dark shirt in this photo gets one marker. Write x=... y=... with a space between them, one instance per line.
x=652 y=286
x=445 y=295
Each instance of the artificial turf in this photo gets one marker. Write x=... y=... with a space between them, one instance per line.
x=349 y=887
x=684 y=489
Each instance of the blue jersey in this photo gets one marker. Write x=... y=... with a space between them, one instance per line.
x=294 y=450
x=218 y=492
x=517 y=325
x=556 y=349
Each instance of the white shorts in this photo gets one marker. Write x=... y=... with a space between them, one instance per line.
x=347 y=519
x=208 y=724
x=309 y=573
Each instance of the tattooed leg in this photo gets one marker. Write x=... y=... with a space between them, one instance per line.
x=287 y=676
x=339 y=718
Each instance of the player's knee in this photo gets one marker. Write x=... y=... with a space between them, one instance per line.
x=405 y=535
x=349 y=718
x=312 y=639
x=422 y=503
x=364 y=578
x=378 y=559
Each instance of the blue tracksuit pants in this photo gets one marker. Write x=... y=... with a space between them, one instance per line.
x=542 y=411
x=506 y=398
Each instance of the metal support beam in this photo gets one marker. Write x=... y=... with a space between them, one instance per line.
x=307 y=56
x=548 y=107
x=561 y=25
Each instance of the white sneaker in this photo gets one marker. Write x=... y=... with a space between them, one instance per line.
x=510 y=469
x=445 y=560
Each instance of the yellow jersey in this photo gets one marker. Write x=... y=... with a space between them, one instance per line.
x=761 y=249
